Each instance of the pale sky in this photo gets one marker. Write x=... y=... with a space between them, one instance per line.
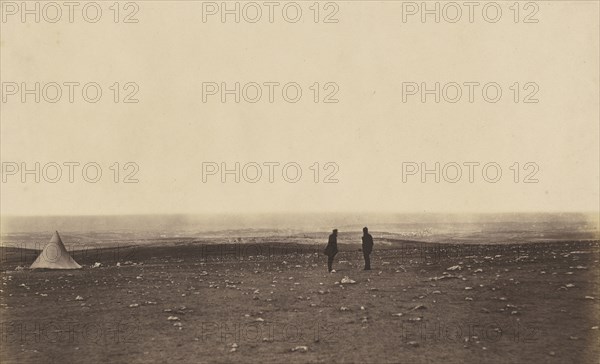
x=368 y=134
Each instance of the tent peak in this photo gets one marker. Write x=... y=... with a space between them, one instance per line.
x=55 y=256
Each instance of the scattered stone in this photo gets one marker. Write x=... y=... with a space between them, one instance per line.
x=347 y=280
x=449 y=276
x=78 y=298
x=300 y=349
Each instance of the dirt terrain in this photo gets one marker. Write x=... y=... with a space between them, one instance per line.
x=275 y=303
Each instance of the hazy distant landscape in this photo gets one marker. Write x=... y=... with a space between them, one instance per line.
x=106 y=231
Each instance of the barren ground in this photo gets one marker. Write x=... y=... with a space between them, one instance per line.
x=502 y=303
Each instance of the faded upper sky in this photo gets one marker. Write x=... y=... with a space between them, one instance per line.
x=369 y=53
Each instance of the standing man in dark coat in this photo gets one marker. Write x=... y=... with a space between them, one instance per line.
x=331 y=250
x=367 y=247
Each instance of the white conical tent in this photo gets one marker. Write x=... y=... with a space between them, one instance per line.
x=55 y=256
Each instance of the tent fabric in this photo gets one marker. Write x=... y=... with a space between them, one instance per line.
x=55 y=256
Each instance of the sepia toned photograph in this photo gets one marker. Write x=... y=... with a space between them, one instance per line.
x=356 y=181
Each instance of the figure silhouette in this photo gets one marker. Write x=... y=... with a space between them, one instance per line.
x=331 y=250
x=367 y=247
